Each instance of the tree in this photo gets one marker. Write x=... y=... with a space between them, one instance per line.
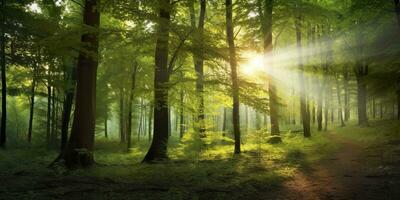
x=234 y=77
x=303 y=107
x=78 y=152
x=3 y=76
x=158 y=148
x=130 y=101
x=266 y=18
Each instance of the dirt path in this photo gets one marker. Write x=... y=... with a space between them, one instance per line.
x=347 y=174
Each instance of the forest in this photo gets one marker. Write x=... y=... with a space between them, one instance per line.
x=200 y=99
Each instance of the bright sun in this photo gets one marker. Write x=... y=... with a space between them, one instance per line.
x=254 y=63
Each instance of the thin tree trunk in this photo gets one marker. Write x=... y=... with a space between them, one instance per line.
x=361 y=72
x=78 y=152
x=32 y=105
x=67 y=106
x=150 y=120
x=199 y=61
x=3 y=124
x=181 y=113
x=122 y=133
x=48 y=122
x=53 y=134
x=140 y=120
x=346 y=94
x=130 y=101
x=106 y=126
x=224 y=123
x=158 y=148
x=235 y=85
x=303 y=92
x=338 y=94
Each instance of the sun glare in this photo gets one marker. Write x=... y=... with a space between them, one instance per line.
x=254 y=63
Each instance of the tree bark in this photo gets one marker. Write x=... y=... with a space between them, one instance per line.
x=158 y=148
x=266 y=24
x=3 y=124
x=150 y=120
x=32 y=105
x=303 y=92
x=362 y=71
x=122 y=133
x=67 y=106
x=130 y=101
x=78 y=152
x=338 y=94
x=199 y=61
x=181 y=112
x=234 y=78
x=346 y=94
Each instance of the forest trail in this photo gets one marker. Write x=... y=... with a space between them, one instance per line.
x=349 y=173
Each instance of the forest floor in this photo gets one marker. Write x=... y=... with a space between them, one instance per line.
x=345 y=163
x=357 y=170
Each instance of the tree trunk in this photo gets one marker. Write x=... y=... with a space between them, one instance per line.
x=303 y=92
x=150 y=120
x=48 y=122
x=158 y=148
x=224 y=123
x=338 y=94
x=235 y=85
x=397 y=10
x=53 y=134
x=3 y=77
x=32 y=105
x=181 y=113
x=140 y=120
x=198 y=58
x=130 y=101
x=78 y=152
x=122 y=134
x=361 y=72
x=346 y=94
x=67 y=106
x=106 y=126
x=266 y=24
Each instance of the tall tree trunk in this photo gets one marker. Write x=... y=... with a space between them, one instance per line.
x=32 y=105
x=3 y=76
x=140 y=120
x=78 y=152
x=122 y=133
x=235 y=85
x=373 y=108
x=48 y=122
x=130 y=101
x=361 y=72
x=327 y=105
x=158 y=148
x=338 y=94
x=67 y=106
x=224 y=123
x=106 y=126
x=266 y=24
x=181 y=112
x=198 y=58
x=319 y=108
x=346 y=94
x=53 y=134
x=150 y=120
x=303 y=92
